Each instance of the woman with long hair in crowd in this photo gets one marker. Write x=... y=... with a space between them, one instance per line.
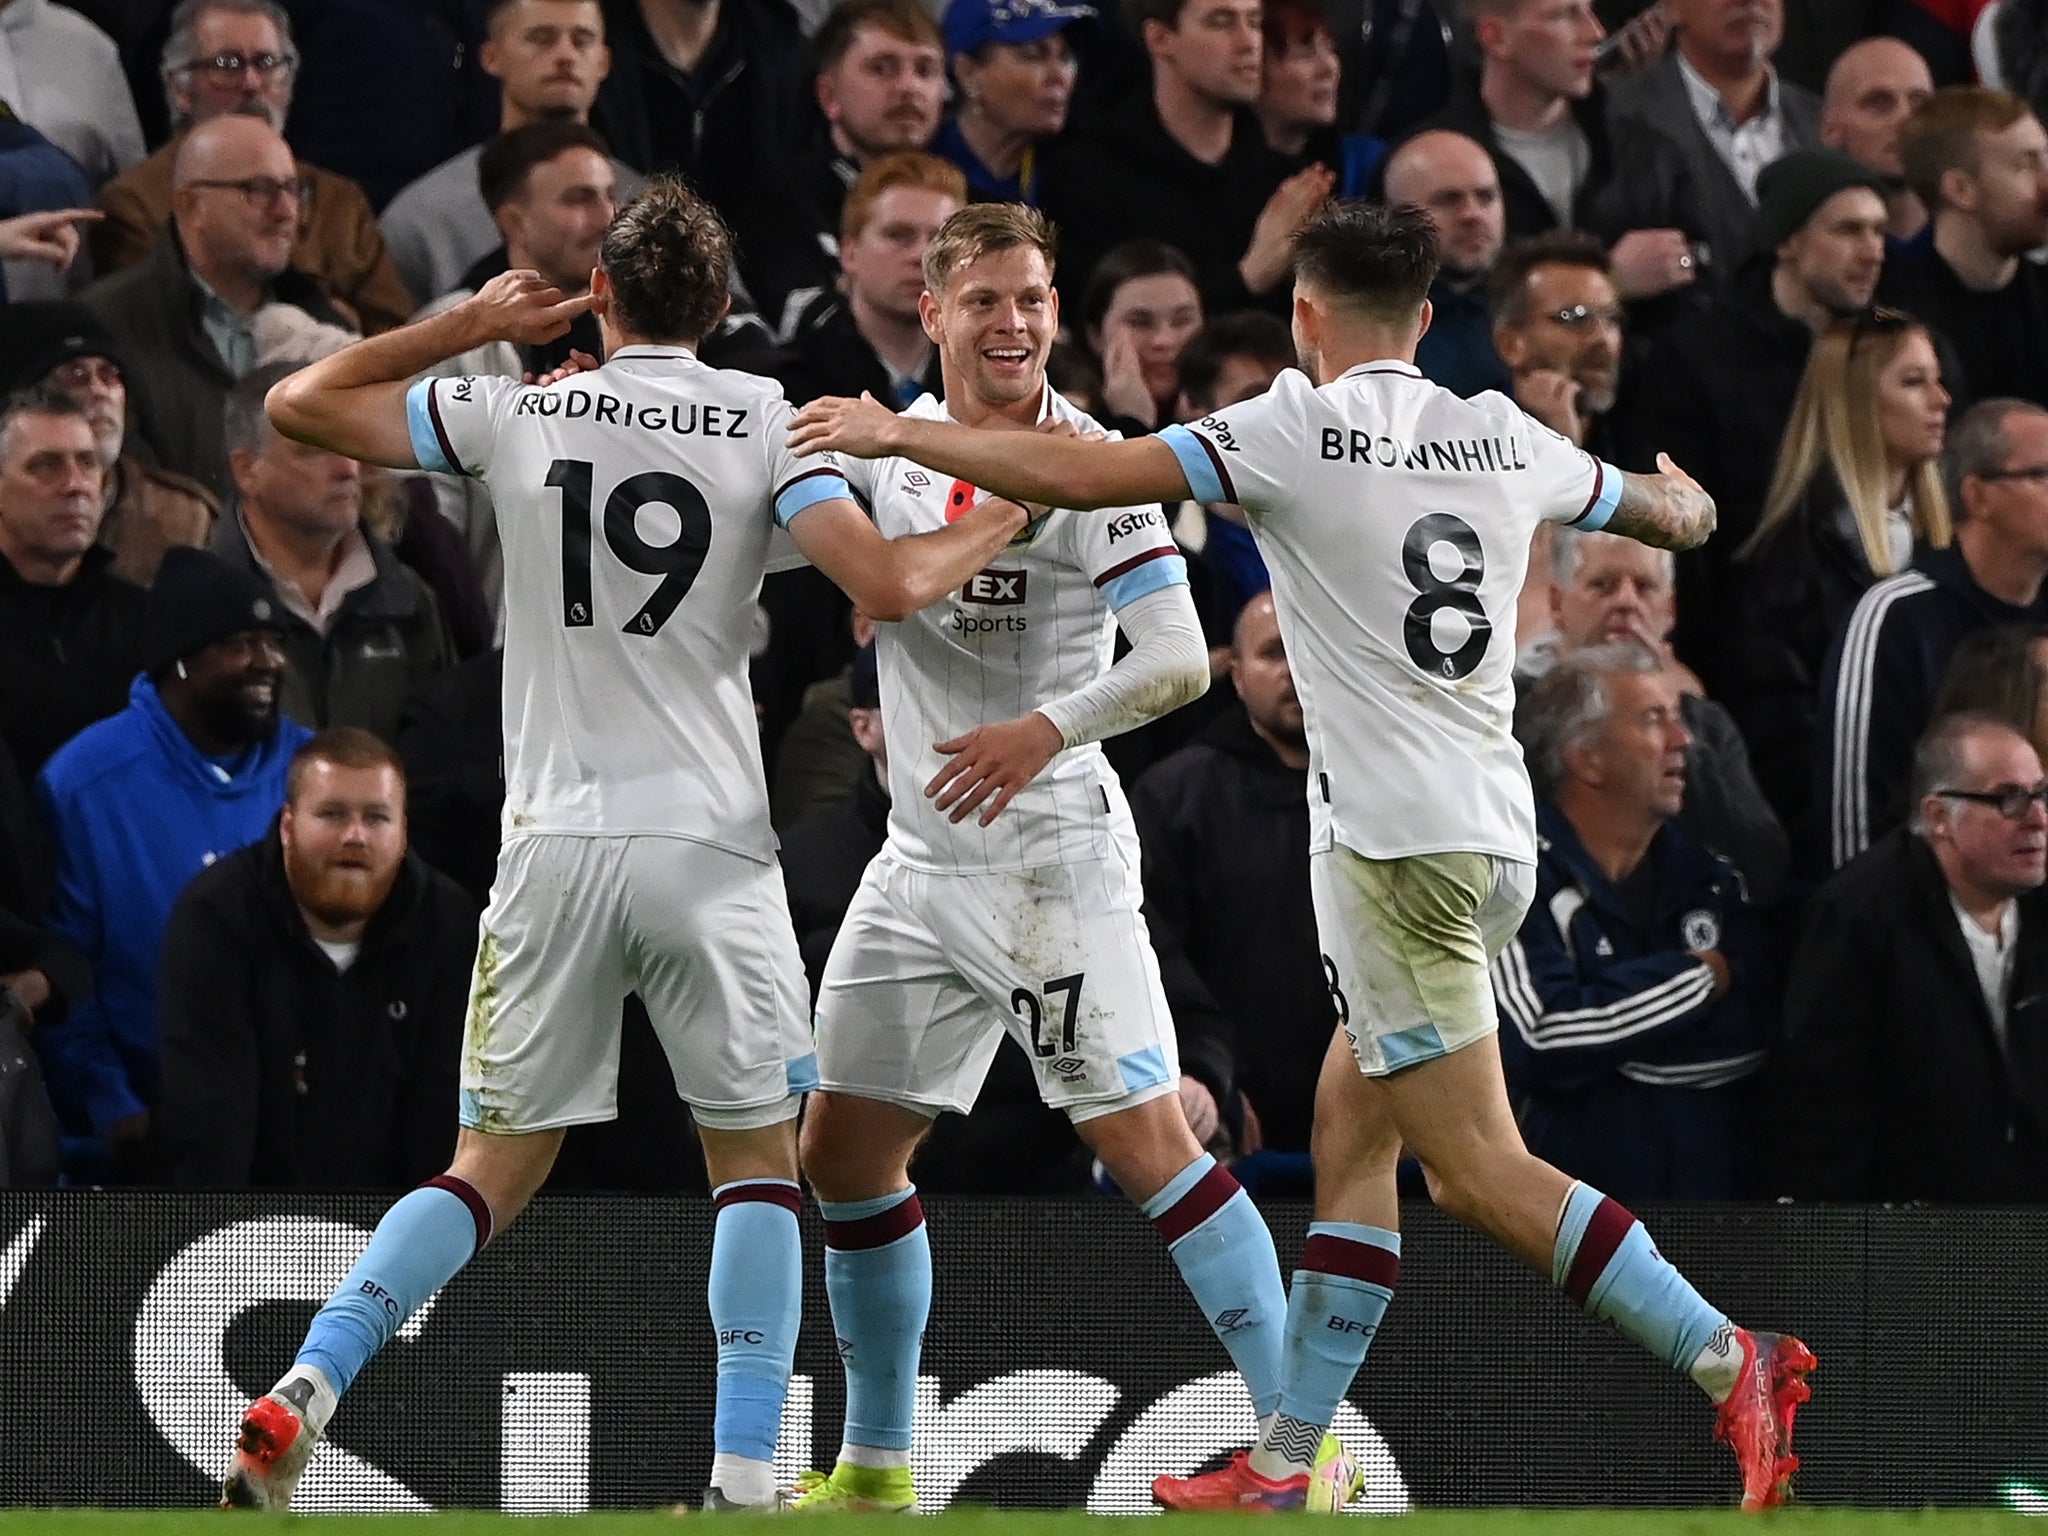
x=1856 y=491
x=1298 y=97
x=1139 y=309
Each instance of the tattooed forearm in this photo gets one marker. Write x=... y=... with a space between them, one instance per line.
x=1666 y=511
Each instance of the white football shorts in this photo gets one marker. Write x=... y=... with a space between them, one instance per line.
x=576 y=923
x=930 y=969
x=1406 y=947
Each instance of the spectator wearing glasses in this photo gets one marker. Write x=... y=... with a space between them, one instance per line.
x=234 y=58
x=64 y=348
x=185 y=318
x=1558 y=324
x=1856 y=493
x=1914 y=1064
x=1883 y=671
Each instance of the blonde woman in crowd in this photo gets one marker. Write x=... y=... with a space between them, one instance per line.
x=1857 y=489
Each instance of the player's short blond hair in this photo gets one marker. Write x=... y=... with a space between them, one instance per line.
x=981 y=229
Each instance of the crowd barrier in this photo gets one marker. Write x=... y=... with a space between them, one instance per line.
x=570 y=1367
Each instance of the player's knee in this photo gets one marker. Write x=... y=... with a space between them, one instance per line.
x=851 y=1150
x=1456 y=1195
x=1371 y=1148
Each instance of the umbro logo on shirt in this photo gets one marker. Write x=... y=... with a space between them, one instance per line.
x=915 y=482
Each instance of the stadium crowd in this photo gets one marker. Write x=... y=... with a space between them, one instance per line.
x=1791 y=929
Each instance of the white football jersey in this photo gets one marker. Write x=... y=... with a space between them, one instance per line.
x=1034 y=626
x=1395 y=519
x=635 y=505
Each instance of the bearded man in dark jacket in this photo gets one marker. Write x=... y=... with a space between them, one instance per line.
x=312 y=993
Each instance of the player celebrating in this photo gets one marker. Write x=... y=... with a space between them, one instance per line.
x=1396 y=521
x=637 y=503
x=1023 y=917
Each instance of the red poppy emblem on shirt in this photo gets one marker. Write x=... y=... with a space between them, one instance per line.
x=959 y=499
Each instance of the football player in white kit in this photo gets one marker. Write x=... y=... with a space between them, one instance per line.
x=1396 y=521
x=637 y=504
x=1006 y=897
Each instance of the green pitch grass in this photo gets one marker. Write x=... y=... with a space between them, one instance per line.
x=1498 y=1522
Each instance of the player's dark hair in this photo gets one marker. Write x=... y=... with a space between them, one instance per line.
x=507 y=161
x=1376 y=258
x=668 y=256
x=1121 y=264
x=345 y=746
x=1507 y=286
x=907 y=21
x=1245 y=333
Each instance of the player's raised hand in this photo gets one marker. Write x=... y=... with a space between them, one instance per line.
x=578 y=362
x=859 y=427
x=524 y=308
x=993 y=760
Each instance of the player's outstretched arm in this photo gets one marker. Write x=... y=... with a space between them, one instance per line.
x=1669 y=509
x=353 y=402
x=890 y=579
x=1076 y=472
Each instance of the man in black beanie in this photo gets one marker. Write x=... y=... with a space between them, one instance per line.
x=65 y=348
x=193 y=769
x=1715 y=390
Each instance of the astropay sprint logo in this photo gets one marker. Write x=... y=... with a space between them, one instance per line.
x=545 y=1450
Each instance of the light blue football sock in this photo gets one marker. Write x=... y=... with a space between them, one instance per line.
x=1340 y=1294
x=1606 y=1262
x=878 y=1277
x=756 y=1295
x=417 y=1248
x=1224 y=1252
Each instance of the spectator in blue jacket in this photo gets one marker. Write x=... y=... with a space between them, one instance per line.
x=136 y=805
x=1636 y=999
